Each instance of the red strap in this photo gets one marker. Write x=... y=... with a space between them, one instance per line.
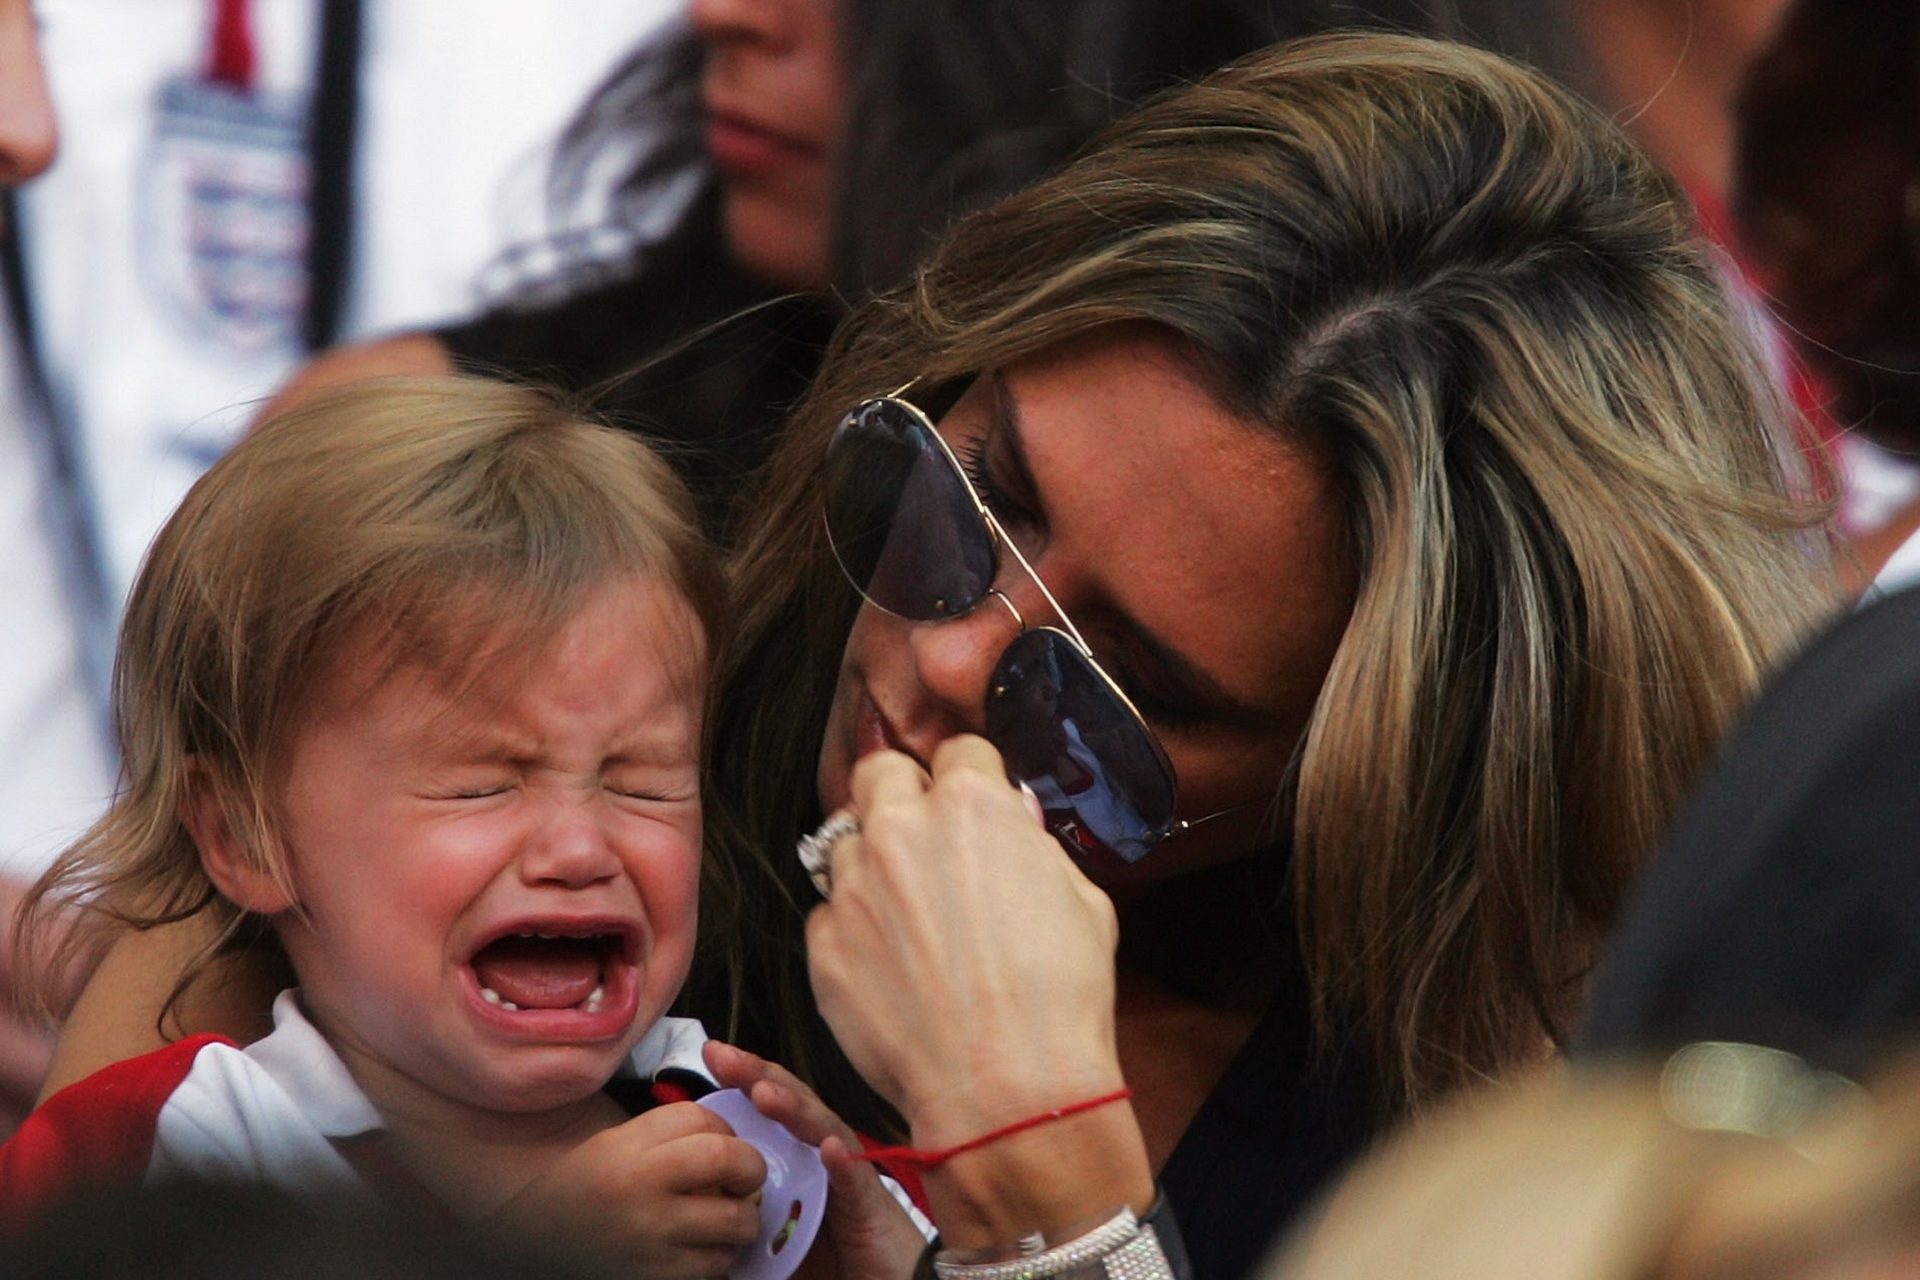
x=922 y=1159
x=902 y=1172
x=95 y=1134
x=230 y=48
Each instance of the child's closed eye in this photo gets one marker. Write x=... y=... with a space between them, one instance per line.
x=472 y=787
x=653 y=785
x=652 y=791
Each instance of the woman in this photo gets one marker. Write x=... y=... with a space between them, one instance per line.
x=1373 y=414
x=1370 y=413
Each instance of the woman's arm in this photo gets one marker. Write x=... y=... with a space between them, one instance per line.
x=967 y=968
x=118 y=1013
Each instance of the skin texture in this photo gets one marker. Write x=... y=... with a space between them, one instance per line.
x=772 y=90
x=1226 y=545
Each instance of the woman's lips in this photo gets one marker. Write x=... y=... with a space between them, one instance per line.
x=871 y=732
x=742 y=146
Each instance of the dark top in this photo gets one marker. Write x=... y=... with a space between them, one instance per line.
x=1269 y=1138
x=1782 y=908
x=698 y=360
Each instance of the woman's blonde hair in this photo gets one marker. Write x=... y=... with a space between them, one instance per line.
x=454 y=522
x=1489 y=312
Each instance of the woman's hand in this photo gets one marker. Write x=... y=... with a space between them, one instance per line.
x=967 y=968
x=869 y=1234
x=667 y=1195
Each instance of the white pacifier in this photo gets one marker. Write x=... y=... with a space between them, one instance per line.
x=793 y=1200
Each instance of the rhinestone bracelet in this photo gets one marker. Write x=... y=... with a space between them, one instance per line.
x=1122 y=1248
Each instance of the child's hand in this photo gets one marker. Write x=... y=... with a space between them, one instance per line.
x=664 y=1196
x=870 y=1235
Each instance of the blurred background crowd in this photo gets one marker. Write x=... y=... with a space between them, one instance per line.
x=252 y=197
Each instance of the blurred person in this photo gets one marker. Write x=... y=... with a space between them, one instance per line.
x=1674 y=72
x=213 y=1230
x=1780 y=909
x=54 y=752
x=247 y=180
x=1733 y=1162
x=1828 y=198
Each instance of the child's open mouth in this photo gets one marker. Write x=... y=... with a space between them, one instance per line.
x=576 y=967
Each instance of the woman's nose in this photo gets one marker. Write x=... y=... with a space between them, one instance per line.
x=755 y=20
x=28 y=136
x=953 y=659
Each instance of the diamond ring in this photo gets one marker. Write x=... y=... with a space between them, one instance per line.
x=816 y=849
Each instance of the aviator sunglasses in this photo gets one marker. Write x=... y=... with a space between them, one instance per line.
x=914 y=538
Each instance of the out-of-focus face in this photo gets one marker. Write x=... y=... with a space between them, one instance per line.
x=1199 y=555
x=772 y=91
x=499 y=882
x=27 y=133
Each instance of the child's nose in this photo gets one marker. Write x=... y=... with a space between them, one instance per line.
x=570 y=848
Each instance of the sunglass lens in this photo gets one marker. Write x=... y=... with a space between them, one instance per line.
x=902 y=522
x=1102 y=782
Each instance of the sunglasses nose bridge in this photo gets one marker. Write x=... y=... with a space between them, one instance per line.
x=1019 y=623
x=954 y=658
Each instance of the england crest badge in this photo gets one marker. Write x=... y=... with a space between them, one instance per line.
x=226 y=185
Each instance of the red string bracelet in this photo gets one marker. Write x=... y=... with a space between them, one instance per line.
x=929 y=1159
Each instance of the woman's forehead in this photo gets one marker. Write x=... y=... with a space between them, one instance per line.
x=1209 y=531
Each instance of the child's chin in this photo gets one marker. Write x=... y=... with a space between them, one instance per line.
x=550 y=1087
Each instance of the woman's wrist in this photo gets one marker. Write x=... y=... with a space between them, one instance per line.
x=1044 y=1179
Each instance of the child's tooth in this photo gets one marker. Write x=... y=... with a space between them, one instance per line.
x=508 y=1004
x=490 y=995
x=593 y=1001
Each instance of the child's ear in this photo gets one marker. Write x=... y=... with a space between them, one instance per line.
x=224 y=854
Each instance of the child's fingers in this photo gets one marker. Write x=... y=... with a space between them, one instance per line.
x=668 y=1123
x=707 y=1162
x=707 y=1221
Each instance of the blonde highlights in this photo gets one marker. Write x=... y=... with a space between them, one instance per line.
x=1488 y=312
x=451 y=523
